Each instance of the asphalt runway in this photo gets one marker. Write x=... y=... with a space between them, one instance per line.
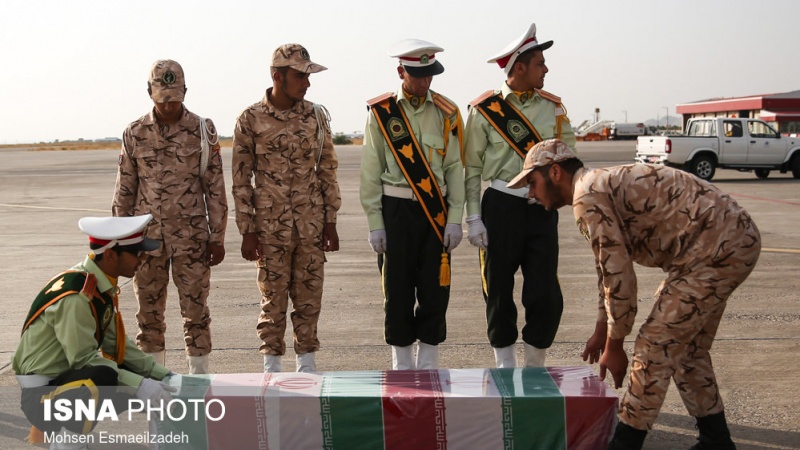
x=44 y=193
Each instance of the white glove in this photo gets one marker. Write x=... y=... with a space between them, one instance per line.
x=377 y=240
x=154 y=392
x=477 y=232
x=452 y=236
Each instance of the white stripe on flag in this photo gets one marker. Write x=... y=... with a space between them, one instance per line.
x=293 y=410
x=473 y=413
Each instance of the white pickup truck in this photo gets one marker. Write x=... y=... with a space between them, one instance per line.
x=727 y=143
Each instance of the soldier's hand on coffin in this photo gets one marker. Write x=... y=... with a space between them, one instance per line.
x=596 y=343
x=154 y=392
x=615 y=360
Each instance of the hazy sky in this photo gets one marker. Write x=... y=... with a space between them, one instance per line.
x=78 y=69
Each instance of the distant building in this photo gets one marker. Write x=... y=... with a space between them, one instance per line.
x=781 y=111
x=354 y=138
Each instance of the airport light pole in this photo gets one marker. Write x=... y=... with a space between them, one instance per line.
x=666 y=127
x=626 y=115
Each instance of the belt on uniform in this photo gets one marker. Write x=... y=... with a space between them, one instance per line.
x=404 y=192
x=32 y=381
x=501 y=186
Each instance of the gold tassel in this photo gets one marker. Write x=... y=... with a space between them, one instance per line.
x=444 y=271
x=35 y=436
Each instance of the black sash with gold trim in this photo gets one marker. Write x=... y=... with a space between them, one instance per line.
x=408 y=153
x=512 y=125
x=69 y=283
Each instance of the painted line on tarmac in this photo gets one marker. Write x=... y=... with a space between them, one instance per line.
x=785 y=202
x=764 y=249
x=231 y=216
x=780 y=250
x=53 y=208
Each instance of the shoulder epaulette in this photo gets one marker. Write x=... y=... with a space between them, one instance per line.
x=447 y=107
x=379 y=99
x=548 y=96
x=481 y=98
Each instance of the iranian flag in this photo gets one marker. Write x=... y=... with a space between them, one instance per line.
x=525 y=408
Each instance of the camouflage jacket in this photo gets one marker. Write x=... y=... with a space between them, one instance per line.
x=277 y=184
x=655 y=216
x=159 y=173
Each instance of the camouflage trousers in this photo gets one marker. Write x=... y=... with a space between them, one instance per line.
x=675 y=340
x=295 y=270
x=192 y=278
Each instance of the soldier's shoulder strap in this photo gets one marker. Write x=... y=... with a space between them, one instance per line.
x=444 y=104
x=379 y=99
x=561 y=110
x=481 y=98
x=549 y=96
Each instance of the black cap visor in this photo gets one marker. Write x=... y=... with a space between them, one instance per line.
x=543 y=46
x=147 y=245
x=427 y=71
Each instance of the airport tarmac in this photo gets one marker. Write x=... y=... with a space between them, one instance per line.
x=756 y=354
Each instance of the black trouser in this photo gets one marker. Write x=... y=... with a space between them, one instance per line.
x=410 y=271
x=520 y=236
x=82 y=384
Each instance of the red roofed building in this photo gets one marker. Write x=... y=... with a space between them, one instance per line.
x=781 y=111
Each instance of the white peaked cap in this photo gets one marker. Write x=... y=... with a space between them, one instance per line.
x=123 y=231
x=417 y=57
x=505 y=59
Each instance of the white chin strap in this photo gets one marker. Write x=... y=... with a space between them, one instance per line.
x=99 y=251
x=121 y=242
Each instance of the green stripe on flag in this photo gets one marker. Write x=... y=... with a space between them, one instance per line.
x=533 y=409
x=352 y=410
x=193 y=387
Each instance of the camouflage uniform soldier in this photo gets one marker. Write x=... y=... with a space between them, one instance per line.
x=658 y=217
x=288 y=217
x=164 y=171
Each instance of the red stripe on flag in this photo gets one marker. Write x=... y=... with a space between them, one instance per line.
x=413 y=410
x=590 y=404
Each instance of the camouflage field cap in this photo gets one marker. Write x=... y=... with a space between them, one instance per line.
x=295 y=56
x=166 y=81
x=542 y=154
